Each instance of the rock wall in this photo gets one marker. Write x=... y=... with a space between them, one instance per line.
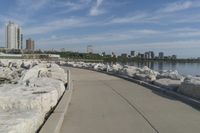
x=36 y=90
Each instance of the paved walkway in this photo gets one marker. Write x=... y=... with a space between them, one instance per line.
x=107 y=104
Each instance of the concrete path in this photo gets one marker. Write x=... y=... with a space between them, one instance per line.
x=107 y=104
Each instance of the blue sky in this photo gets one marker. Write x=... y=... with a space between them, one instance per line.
x=171 y=26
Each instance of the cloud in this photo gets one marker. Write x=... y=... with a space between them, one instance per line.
x=168 y=14
x=177 y=6
x=95 y=10
x=136 y=18
x=69 y=6
x=31 y=4
x=139 y=39
x=59 y=24
x=103 y=38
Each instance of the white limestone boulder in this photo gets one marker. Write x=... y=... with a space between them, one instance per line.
x=168 y=83
x=56 y=72
x=36 y=72
x=116 y=68
x=100 y=66
x=174 y=75
x=23 y=98
x=45 y=81
x=8 y=75
x=20 y=122
x=130 y=71
x=190 y=87
x=46 y=70
x=146 y=74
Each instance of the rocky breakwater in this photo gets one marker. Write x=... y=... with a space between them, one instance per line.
x=190 y=87
x=167 y=79
x=29 y=95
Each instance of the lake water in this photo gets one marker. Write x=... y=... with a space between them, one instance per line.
x=183 y=68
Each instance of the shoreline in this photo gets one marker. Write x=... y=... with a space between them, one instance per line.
x=169 y=87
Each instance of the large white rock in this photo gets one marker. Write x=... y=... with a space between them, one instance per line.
x=45 y=82
x=36 y=72
x=130 y=70
x=25 y=104
x=56 y=72
x=100 y=66
x=146 y=74
x=20 y=122
x=46 y=70
x=24 y=98
x=116 y=68
x=8 y=74
x=190 y=87
x=174 y=75
x=168 y=83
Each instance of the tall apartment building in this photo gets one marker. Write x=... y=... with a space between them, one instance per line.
x=134 y=54
x=30 y=44
x=161 y=55
x=13 y=36
x=152 y=55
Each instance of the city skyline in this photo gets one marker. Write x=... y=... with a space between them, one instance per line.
x=171 y=26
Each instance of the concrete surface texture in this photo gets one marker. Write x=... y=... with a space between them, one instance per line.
x=106 y=104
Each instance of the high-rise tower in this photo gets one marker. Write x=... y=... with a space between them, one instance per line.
x=13 y=36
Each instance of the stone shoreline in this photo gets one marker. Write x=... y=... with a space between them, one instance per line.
x=167 y=79
x=29 y=90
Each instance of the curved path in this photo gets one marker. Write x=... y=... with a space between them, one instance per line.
x=106 y=104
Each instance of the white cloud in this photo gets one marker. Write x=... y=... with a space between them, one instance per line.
x=55 y=25
x=177 y=6
x=168 y=14
x=31 y=4
x=95 y=10
x=70 y=6
x=136 y=18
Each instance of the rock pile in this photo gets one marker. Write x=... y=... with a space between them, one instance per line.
x=24 y=104
x=168 y=79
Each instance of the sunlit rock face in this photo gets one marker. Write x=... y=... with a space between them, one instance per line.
x=174 y=75
x=28 y=91
x=168 y=83
x=190 y=87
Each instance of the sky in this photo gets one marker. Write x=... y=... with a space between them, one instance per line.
x=169 y=26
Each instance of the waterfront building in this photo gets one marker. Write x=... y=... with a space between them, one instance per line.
x=134 y=54
x=124 y=55
x=142 y=56
x=146 y=55
x=13 y=36
x=174 y=57
x=161 y=55
x=152 y=55
x=30 y=45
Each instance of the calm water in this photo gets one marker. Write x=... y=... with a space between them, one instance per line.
x=183 y=68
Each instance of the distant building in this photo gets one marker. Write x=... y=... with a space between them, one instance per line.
x=142 y=56
x=103 y=54
x=124 y=55
x=146 y=55
x=133 y=54
x=13 y=36
x=30 y=45
x=161 y=55
x=174 y=57
x=152 y=55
